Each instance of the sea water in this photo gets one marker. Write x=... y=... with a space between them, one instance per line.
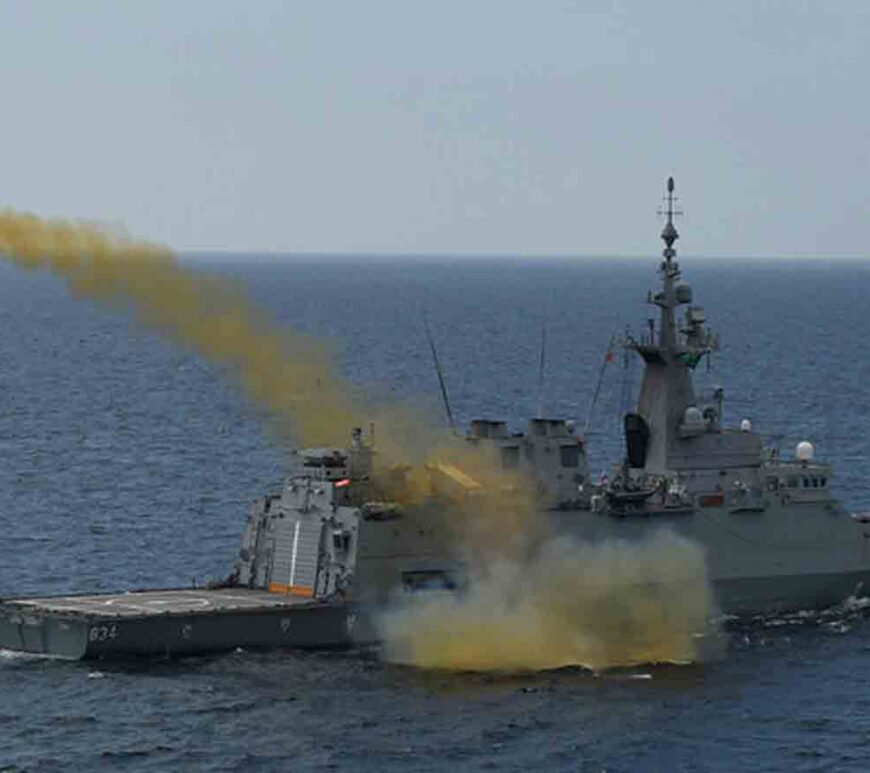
x=128 y=463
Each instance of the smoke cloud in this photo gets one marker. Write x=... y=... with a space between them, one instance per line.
x=598 y=606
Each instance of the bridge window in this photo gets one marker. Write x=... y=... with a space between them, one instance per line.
x=570 y=456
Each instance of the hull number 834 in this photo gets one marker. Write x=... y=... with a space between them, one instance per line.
x=103 y=632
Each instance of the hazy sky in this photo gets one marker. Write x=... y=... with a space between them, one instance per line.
x=444 y=127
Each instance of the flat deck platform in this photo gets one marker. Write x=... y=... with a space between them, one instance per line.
x=173 y=621
x=159 y=602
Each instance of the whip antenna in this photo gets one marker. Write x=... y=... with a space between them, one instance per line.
x=437 y=364
x=541 y=366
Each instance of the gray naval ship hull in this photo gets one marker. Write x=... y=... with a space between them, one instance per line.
x=748 y=579
x=760 y=563
x=763 y=561
x=170 y=622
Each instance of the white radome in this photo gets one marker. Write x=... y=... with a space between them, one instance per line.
x=804 y=451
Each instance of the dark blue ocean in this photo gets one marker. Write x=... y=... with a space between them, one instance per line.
x=126 y=462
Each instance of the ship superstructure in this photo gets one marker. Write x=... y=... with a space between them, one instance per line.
x=550 y=456
x=776 y=538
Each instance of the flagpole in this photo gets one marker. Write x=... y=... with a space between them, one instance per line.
x=608 y=357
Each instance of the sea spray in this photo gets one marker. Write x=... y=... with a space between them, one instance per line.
x=613 y=603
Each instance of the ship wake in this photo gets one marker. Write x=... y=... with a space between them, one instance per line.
x=840 y=618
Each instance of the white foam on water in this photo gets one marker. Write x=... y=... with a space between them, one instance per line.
x=16 y=656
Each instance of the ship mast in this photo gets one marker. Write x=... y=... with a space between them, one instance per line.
x=666 y=393
x=670 y=273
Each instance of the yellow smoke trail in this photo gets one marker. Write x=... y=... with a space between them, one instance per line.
x=598 y=606
x=288 y=374
x=291 y=376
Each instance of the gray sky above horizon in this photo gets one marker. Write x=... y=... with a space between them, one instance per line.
x=452 y=127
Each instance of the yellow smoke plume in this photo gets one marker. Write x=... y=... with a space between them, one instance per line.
x=289 y=375
x=598 y=606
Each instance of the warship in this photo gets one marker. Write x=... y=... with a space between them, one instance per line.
x=320 y=557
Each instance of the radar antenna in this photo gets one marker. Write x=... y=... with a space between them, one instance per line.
x=669 y=234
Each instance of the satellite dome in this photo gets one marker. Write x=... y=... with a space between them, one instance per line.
x=804 y=451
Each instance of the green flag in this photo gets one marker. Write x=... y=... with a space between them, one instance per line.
x=691 y=359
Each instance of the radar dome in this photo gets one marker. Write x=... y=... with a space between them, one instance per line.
x=684 y=293
x=804 y=451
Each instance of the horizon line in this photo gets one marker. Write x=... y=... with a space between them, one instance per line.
x=291 y=254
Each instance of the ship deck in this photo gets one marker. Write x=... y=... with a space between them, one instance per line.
x=170 y=622
x=149 y=603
